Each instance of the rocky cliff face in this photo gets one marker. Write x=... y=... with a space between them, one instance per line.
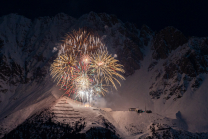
x=26 y=49
x=26 y=54
x=183 y=63
x=167 y=40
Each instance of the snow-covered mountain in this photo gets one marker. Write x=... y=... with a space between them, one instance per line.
x=170 y=79
x=165 y=71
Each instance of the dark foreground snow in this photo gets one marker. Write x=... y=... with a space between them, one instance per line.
x=40 y=125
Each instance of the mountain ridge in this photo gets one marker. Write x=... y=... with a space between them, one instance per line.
x=174 y=65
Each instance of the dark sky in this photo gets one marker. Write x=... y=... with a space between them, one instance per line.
x=189 y=16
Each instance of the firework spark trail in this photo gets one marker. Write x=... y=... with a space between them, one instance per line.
x=84 y=67
x=81 y=42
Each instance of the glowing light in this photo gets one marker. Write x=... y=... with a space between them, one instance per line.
x=87 y=105
x=85 y=59
x=100 y=63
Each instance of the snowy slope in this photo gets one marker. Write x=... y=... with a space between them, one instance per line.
x=69 y=118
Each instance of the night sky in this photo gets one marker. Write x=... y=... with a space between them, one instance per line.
x=189 y=16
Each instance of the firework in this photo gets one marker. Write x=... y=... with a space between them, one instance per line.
x=100 y=88
x=84 y=67
x=106 y=67
x=82 y=80
x=63 y=69
x=81 y=42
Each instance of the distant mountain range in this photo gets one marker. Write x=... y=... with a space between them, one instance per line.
x=177 y=65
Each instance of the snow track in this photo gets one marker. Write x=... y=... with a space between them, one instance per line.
x=64 y=112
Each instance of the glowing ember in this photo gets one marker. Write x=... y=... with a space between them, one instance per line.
x=85 y=59
x=100 y=63
x=87 y=105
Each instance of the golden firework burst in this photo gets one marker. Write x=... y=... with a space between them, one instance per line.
x=63 y=69
x=106 y=67
x=84 y=66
